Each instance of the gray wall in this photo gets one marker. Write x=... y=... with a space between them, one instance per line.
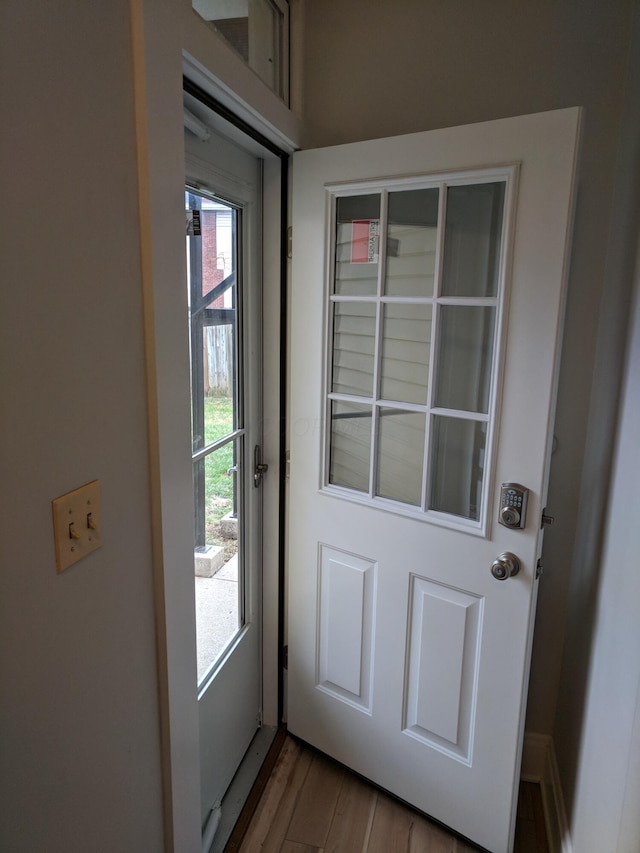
x=598 y=721
x=385 y=68
x=79 y=728
x=601 y=668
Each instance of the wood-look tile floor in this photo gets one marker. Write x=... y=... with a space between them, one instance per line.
x=312 y=805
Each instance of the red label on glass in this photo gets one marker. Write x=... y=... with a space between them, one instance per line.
x=364 y=241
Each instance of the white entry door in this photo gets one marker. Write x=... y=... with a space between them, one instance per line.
x=428 y=275
x=222 y=202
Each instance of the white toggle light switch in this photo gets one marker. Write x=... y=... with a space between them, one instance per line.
x=77 y=526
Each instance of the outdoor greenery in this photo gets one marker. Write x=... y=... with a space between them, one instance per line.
x=218 y=422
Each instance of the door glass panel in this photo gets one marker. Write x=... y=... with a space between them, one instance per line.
x=354 y=338
x=464 y=357
x=411 y=242
x=440 y=261
x=350 y=445
x=212 y=282
x=218 y=356
x=457 y=466
x=218 y=611
x=406 y=340
x=472 y=240
x=211 y=267
x=400 y=455
x=357 y=245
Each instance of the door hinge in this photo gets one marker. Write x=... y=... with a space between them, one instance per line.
x=290 y=242
x=539 y=569
x=285 y=657
x=259 y=467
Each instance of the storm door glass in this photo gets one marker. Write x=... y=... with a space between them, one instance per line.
x=413 y=310
x=216 y=421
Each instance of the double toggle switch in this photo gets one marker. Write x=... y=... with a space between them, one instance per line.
x=74 y=533
x=77 y=524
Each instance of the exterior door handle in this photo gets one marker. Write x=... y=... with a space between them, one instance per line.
x=259 y=468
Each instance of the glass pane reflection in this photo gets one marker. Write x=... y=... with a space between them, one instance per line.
x=400 y=455
x=411 y=242
x=472 y=238
x=354 y=331
x=357 y=245
x=464 y=357
x=350 y=445
x=406 y=341
x=218 y=611
x=457 y=466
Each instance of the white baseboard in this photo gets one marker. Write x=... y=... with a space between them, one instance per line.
x=539 y=764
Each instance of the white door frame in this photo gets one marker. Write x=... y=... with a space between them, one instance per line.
x=158 y=35
x=270 y=321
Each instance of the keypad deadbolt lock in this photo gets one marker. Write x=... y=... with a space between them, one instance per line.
x=505 y=566
x=513 y=505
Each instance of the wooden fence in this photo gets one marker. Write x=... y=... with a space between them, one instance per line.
x=218 y=361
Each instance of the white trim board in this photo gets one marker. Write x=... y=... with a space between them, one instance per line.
x=214 y=66
x=539 y=765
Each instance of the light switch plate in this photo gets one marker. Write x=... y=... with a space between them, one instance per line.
x=77 y=524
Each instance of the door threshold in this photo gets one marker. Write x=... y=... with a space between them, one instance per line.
x=243 y=782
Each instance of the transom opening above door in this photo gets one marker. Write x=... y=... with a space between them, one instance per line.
x=258 y=31
x=415 y=301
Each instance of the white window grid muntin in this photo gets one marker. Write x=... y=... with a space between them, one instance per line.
x=507 y=174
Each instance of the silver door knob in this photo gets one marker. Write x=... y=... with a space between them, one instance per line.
x=505 y=566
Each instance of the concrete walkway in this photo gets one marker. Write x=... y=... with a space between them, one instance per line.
x=216 y=613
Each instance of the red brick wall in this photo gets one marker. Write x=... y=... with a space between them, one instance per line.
x=211 y=275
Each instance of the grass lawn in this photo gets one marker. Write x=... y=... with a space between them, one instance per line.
x=218 y=422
